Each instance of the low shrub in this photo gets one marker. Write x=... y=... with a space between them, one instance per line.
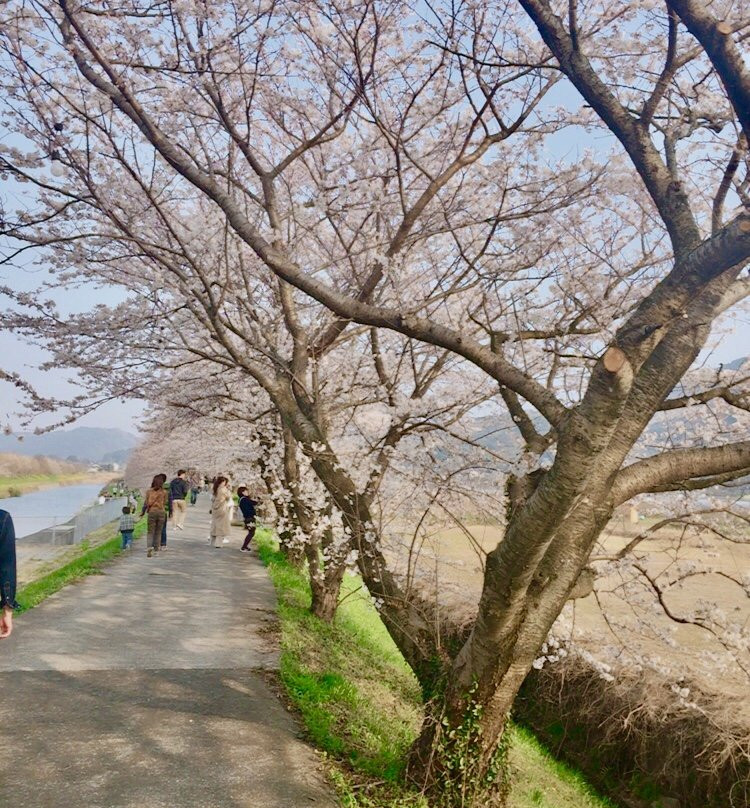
x=635 y=740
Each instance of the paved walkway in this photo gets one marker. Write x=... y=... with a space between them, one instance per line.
x=144 y=688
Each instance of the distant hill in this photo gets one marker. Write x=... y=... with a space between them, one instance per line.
x=498 y=433
x=120 y=456
x=736 y=364
x=83 y=443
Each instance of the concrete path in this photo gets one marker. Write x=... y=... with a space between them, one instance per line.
x=144 y=687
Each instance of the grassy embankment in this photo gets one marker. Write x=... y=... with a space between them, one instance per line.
x=97 y=548
x=361 y=704
x=25 y=483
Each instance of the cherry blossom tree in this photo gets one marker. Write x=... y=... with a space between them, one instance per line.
x=413 y=173
x=257 y=335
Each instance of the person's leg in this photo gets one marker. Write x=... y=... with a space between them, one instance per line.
x=152 y=533
x=250 y=533
x=163 y=532
x=124 y=536
x=127 y=539
x=179 y=513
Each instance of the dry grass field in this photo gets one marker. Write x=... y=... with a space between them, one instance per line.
x=15 y=465
x=20 y=474
x=614 y=624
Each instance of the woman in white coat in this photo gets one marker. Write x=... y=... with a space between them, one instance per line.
x=221 y=512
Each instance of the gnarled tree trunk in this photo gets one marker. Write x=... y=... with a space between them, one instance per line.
x=460 y=755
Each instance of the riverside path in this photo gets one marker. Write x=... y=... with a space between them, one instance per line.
x=145 y=687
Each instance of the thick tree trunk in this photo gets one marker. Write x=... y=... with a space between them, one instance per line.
x=324 y=603
x=325 y=580
x=554 y=520
x=459 y=758
x=325 y=593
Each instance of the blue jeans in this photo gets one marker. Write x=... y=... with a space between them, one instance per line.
x=127 y=538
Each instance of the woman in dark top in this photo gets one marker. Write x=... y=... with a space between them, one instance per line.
x=247 y=506
x=7 y=574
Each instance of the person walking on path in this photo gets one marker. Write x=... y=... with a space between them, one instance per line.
x=247 y=506
x=155 y=505
x=178 y=491
x=221 y=512
x=195 y=481
x=7 y=574
x=127 y=526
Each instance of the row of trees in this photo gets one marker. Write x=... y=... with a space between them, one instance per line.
x=344 y=229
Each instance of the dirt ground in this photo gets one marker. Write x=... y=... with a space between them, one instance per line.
x=619 y=621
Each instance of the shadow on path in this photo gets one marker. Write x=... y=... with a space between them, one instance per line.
x=140 y=688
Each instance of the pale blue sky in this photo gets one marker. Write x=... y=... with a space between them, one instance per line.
x=24 y=358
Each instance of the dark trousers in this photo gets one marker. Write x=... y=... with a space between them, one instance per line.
x=250 y=527
x=157 y=522
x=127 y=538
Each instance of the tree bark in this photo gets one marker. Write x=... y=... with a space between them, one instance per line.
x=459 y=758
x=325 y=584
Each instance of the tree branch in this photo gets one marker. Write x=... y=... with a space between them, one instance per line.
x=678 y=467
x=668 y=196
x=716 y=38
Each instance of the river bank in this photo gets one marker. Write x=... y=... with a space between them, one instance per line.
x=27 y=483
x=62 y=564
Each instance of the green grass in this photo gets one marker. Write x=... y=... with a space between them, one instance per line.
x=360 y=702
x=542 y=781
x=89 y=562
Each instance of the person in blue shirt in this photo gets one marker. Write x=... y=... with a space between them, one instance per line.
x=247 y=506
x=7 y=574
x=178 y=492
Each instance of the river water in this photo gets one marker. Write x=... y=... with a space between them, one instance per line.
x=52 y=506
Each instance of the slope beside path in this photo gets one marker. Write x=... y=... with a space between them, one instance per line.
x=144 y=687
